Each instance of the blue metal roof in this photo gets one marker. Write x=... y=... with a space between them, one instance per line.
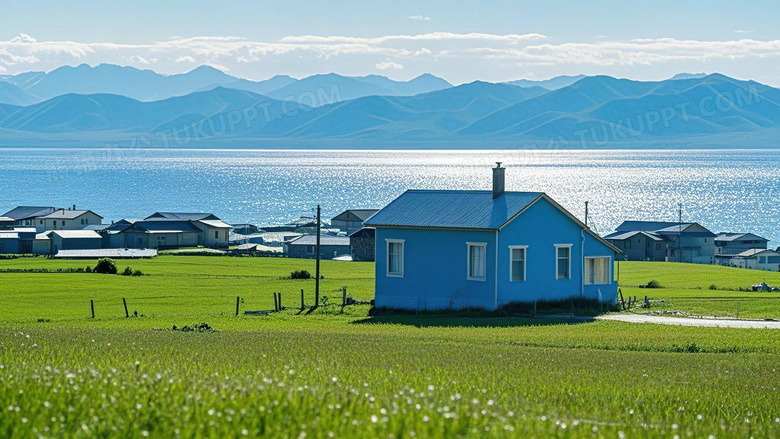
x=644 y=226
x=25 y=212
x=620 y=236
x=452 y=209
x=324 y=240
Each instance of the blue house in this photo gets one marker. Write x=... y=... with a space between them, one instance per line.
x=443 y=249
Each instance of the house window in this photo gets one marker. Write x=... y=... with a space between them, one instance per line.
x=311 y=249
x=82 y=221
x=477 y=253
x=517 y=255
x=658 y=246
x=216 y=234
x=395 y=257
x=55 y=223
x=563 y=261
x=597 y=271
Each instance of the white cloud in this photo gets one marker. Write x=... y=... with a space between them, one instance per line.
x=23 y=38
x=136 y=59
x=740 y=31
x=420 y=17
x=389 y=65
x=466 y=55
x=632 y=52
x=433 y=36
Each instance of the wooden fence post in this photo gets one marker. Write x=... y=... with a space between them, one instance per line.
x=303 y=304
x=280 y=301
x=343 y=296
x=124 y=302
x=237 y=301
x=92 y=306
x=276 y=303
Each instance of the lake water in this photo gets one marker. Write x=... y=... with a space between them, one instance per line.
x=723 y=190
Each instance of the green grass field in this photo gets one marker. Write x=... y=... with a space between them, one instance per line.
x=342 y=373
x=686 y=287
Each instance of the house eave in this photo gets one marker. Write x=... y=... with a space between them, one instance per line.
x=408 y=227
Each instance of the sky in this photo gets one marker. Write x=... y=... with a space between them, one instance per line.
x=458 y=41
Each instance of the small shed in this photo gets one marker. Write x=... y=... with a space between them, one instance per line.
x=74 y=240
x=362 y=244
x=305 y=247
x=42 y=244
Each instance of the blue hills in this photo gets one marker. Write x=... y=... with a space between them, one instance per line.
x=598 y=111
x=147 y=85
x=13 y=95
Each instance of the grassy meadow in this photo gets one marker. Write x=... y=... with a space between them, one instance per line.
x=340 y=372
x=705 y=290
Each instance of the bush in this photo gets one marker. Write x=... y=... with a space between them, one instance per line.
x=88 y=269
x=105 y=266
x=128 y=272
x=652 y=284
x=300 y=274
x=713 y=287
x=138 y=273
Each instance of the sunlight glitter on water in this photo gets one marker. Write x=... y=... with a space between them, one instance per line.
x=724 y=190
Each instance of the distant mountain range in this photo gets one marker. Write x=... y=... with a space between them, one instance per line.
x=146 y=85
x=549 y=84
x=373 y=112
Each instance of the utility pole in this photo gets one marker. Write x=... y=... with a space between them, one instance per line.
x=679 y=236
x=317 y=270
x=586 y=214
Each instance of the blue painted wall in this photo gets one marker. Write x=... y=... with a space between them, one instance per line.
x=435 y=262
x=435 y=268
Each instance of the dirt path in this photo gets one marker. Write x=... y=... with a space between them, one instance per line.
x=686 y=321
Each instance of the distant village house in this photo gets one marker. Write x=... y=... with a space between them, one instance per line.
x=351 y=220
x=305 y=247
x=664 y=241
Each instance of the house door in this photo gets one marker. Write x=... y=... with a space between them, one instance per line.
x=140 y=243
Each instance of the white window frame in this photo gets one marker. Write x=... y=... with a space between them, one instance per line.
x=525 y=262
x=389 y=241
x=559 y=246
x=586 y=274
x=468 y=261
